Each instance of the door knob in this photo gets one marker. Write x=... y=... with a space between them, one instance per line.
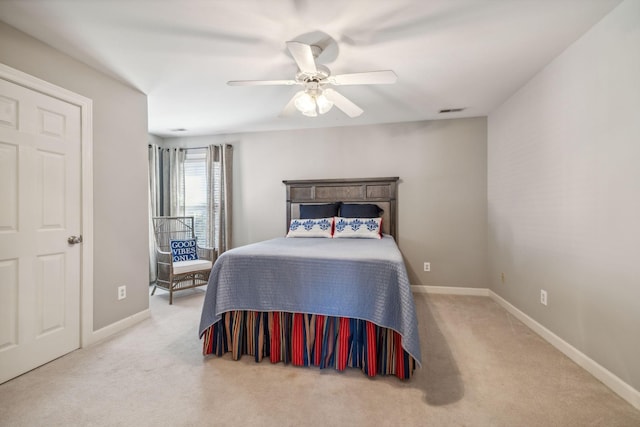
x=72 y=240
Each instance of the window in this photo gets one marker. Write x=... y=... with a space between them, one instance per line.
x=197 y=195
x=188 y=183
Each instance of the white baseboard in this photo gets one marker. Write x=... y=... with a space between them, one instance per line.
x=609 y=379
x=116 y=327
x=449 y=290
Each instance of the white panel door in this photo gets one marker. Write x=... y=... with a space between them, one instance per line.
x=39 y=209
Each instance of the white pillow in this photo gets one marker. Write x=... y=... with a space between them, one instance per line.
x=321 y=227
x=368 y=228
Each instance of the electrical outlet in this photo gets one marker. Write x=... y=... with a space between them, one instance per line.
x=122 y=292
x=543 y=297
x=427 y=266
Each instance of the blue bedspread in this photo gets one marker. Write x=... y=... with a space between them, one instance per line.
x=357 y=278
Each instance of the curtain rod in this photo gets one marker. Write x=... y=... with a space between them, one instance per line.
x=180 y=148
x=190 y=148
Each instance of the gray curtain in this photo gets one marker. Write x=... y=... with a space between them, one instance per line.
x=220 y=177
x=172 y=184
x=166 y=191
x=154 y=180
x=154 y=206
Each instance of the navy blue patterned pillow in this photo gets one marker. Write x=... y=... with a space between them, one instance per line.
x=183 y=250
x=360 y=210
x=319 y=227
x=328 y=210
x=367 y=228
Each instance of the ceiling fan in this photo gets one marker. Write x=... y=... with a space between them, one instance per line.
x=316 y=97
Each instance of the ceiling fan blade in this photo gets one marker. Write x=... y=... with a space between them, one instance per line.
x=349 y=108
x=367 y=78
x=303 y=56
x=290 y=109
x=261 y=82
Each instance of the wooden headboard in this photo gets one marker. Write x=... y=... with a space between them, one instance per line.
x=379 y=191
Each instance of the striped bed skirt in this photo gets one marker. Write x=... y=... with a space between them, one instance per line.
x=310 y=340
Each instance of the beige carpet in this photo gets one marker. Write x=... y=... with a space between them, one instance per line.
x=482 y=367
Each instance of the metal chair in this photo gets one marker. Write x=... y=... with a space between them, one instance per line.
x=175 y=276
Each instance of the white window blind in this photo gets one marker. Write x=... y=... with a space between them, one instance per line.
x=196 y=192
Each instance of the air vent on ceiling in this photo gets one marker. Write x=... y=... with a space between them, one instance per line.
x=451 y=110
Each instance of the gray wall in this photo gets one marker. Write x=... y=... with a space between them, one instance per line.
x=564 y=194
x=442 y=189
x=119 y=170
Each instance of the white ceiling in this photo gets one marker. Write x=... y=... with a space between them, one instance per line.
x=446 y=53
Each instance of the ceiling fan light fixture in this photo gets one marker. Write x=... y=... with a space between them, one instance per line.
x=305 y=103
x=312 y=102
x=324 y=105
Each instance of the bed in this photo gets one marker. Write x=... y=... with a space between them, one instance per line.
x=313 y=301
